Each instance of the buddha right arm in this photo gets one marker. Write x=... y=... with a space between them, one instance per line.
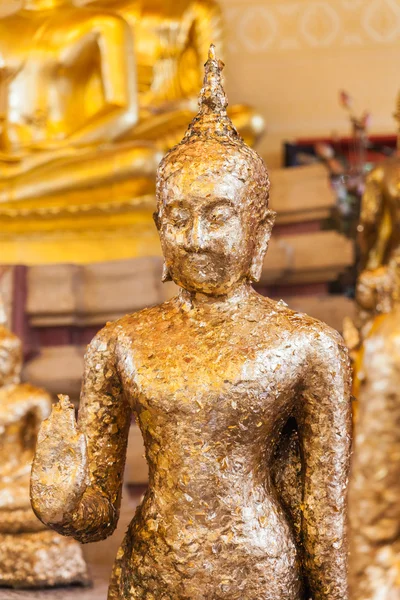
x=118 y=107
x=78 y=467
x=118 y=74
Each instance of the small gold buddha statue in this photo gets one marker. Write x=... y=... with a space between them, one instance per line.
x=30 y=555
x=213 y=376
x=374 y=567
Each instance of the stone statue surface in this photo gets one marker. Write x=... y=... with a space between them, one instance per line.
x=30 y=555
x=214 y=377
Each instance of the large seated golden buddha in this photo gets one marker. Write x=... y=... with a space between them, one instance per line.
x=90 y=99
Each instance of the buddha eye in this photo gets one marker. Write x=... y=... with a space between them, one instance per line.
x=179 y=217
x=219 y=215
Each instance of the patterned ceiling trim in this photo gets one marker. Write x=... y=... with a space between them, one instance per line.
x=261 y=26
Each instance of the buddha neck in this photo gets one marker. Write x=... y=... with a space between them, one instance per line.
x=194 y=300
x=38 y=5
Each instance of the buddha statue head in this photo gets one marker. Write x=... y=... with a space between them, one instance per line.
x=10 y=352
x=212 y=200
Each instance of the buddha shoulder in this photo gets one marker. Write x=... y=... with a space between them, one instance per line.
x=312 y=333
x=384 y=171
x=79 y=22
x=263 y=316
x=12 y=23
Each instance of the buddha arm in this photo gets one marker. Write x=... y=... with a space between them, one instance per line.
x=324 y=420
x=83 y=501
x=118 y=75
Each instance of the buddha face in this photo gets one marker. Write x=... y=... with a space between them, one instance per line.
x=10 y=357
x=210 y=235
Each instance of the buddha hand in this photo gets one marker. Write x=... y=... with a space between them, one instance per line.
x=60 y=467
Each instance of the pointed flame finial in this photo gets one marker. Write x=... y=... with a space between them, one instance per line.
x=212 y=118
x=213 y=96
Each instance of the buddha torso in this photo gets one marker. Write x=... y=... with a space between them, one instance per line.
x=380 y=214
x=47 y=70
x=212 y=393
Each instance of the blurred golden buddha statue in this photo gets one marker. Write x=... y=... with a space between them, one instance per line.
x=30 y=555
x=172 y=38
x=82 y=129
x=67 y=93
x=374 y=511
x=374 y=565
x=379 y=242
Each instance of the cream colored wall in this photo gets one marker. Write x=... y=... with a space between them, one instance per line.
x=290 y=57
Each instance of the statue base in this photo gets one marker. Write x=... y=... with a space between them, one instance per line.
x=41 y=559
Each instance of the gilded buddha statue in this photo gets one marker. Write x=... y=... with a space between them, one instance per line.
x=374 y=566
x=30 y=555
x=86 y=112
x=213 y=376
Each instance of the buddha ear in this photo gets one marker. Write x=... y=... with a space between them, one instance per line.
x=156 y=219
x=166 y=275
x=263 y=236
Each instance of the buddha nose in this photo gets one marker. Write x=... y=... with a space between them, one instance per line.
x=196 y=240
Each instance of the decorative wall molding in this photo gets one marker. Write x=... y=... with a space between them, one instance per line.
x=282 y=25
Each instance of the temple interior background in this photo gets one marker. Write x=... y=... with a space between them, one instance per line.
x=309 y=69
x=289 y=59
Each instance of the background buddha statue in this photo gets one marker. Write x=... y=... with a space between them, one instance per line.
x=30 y=555
x=374 y=482
x=67 y=92
x=379 y=242
x=374 y=510
x=214 y=376
x=86 y=112
x=172 y=38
